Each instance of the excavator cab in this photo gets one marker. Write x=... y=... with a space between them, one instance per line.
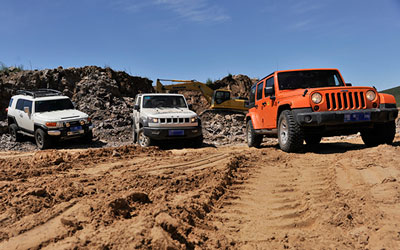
x=221 y=96
x=218 y=99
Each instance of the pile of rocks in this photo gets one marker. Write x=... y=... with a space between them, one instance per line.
x=221 y=128
x=106 y=95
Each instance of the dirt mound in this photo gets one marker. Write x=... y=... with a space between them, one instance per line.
x=92 y=199
x=239 y=84
x=106 y=95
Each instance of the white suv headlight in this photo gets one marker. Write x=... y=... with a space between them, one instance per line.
x=54 y=124
x=193 y=119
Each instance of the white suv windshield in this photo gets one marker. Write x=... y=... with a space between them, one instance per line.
x=53 y=105
x=164 y=101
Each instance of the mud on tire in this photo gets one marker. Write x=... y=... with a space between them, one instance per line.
x=290 y=133
x=253 y=140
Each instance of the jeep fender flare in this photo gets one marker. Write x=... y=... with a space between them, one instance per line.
x=281 y=108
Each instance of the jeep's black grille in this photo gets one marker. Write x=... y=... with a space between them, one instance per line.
x=174 y=120
x=345 y=100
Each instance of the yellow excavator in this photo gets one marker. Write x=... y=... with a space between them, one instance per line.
x=219 y=99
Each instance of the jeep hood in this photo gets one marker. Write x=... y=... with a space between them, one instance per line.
x=61 y=115
x=168 y=112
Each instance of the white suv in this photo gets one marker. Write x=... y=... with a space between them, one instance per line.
x=159 y=117
x=47 y=115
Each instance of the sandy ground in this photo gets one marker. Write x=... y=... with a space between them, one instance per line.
x=340 y=195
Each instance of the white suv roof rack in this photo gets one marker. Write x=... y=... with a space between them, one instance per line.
x=40 y=92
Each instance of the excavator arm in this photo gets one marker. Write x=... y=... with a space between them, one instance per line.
x=185 y=85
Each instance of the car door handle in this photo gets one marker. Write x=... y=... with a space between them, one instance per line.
x=20 y=115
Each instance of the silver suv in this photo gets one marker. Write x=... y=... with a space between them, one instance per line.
x=159 y=117
x=47 y=115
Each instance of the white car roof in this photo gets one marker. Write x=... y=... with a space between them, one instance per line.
x=163 y=94
x=44 y=98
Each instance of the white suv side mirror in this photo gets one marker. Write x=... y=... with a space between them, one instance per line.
x=26 y=110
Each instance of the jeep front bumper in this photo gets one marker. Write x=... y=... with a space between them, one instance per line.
x=172 y=133
x=305 y=117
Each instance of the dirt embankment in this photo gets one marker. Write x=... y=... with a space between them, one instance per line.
x=340 y=195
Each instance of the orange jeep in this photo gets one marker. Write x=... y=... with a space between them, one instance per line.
x=308 y=104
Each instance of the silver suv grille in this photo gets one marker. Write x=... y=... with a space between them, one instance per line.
x=174 y=120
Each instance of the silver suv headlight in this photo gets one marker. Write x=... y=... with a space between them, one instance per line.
x=193 y=119
x=153 y=120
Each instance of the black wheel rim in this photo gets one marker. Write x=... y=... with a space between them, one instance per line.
x=39 y=140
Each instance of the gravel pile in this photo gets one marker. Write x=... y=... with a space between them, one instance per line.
x=223 y=128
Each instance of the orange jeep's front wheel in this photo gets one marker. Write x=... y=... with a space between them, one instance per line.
x=253 y=139
x=380 y=134
x=290 y=133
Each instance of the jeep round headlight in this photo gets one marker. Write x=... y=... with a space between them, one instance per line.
x=154 y=120
x=82 y=122
x=370 y=95
x=193 y=119
x=316 y=98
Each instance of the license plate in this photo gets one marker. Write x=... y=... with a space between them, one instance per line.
x=357 y=117
x=176 y=132
x=74 y=129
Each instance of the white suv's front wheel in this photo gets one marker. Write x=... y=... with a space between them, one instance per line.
x=143 y=140
x=42 y=139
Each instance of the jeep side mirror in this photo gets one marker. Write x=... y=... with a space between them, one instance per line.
x=26 y=110
x=190 y=106
x=348 y=84
x=136 y=107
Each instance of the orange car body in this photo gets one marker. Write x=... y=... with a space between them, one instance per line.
x=343 y=109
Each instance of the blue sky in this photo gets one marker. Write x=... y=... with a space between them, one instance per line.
x=201 y=39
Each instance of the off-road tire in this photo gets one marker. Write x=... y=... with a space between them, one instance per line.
x=197 y=142
x=143 y=140
x=13 y=130
x=253 y=139
x=134 y=134
x=380 y=134
x=42 y=140
x=88 y=138
x=312 y=140
x=290 y=133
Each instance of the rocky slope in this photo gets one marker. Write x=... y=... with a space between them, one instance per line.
x=106 y=95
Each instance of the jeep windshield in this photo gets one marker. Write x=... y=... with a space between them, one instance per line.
x=164 y=101
x=53 y=105
x=309 y=79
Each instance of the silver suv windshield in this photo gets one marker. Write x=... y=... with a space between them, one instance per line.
x=53 y=105
x=309 y=79
x=164 y=101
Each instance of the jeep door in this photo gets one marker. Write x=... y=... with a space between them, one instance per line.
x=269 y=105
x=24 y=120
x=258 y=118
